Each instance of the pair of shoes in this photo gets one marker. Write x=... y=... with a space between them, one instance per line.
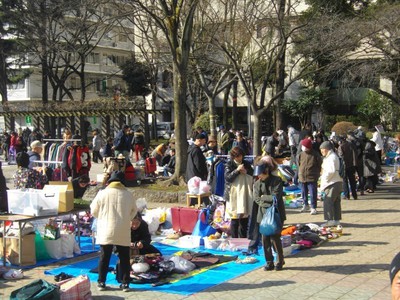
x=369 y=191
x=125 y=287
x=305 y=207
x=329 y=223
x=279 y=266
x=269 y=267
x=101 y=286
x=336 y=223
x=62 y=276
x=313 y=211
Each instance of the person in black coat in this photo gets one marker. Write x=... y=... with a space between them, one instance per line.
x=141 y=237
x=266 y=188
x=170 y=166
x=196 y=163
x=3 y=192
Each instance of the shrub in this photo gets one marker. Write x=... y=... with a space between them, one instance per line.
x=343 y=127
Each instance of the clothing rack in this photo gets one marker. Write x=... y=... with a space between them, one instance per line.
x=49 y=162
x=62 y=140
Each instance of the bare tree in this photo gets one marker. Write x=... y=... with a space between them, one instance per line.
x=175 y=20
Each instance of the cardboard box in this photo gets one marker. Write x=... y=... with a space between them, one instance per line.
x=66 y=191
x=28 y=255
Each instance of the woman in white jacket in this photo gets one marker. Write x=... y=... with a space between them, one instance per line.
x=331 y=185
x=114 y=207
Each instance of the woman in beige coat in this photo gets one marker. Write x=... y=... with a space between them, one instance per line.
x=114 y=208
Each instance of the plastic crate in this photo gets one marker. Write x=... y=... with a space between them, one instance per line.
x=33 y=202
x=189 y=241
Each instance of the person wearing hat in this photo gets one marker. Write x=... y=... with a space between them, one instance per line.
x=267 y=187
x=114 y=208
x=34 y=153
x=196 y=161
x=331 y=185
x=223 y=140
x=212 y=144
x=394 y=274
x=309 y=169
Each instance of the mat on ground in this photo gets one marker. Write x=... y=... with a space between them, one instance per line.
x=194 y=282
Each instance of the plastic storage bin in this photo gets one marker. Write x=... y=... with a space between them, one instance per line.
x=189 y=241
x=239 y=243
x=33 y=202
x=212 y=243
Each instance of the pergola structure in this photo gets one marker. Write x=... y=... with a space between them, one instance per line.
x=112 y=113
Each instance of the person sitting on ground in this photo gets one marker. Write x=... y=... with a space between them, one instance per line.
x=170 y=167
x=80 y=185
x=159 y=152
x=25 y=178
x=141 y=237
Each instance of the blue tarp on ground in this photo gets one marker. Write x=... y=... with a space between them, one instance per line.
x=185 y=285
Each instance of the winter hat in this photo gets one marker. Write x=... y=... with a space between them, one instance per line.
x=394 y=267
x=200 y=136
x=326 y=145
x=306 y=143
x=117 y=176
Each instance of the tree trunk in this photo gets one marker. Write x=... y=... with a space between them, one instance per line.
x=3 y=76
x=225 y=106
x=180 y=86
x=212 y=114
x=234 y=104
x=257 y=134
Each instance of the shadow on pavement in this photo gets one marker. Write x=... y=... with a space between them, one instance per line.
x=371 y=225
x=355 y=243
x=375 y=211
x=345 y=270
x=228 y=286
x=109 y=297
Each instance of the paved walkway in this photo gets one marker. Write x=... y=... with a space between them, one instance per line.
x=354 y=266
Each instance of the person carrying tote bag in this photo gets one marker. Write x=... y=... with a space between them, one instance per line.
x=267 y=187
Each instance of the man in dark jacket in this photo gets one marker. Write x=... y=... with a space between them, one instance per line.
x=348 y=153
x=196 y=163
x=309 y=166
x=270 y=144
x=122 y=142
x=170 y=166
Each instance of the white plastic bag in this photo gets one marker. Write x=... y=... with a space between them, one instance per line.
x=194 y=185
x=204 y=187
x=67 y=245
x=182 y=265
x=53 y=248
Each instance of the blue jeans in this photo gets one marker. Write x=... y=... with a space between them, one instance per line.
x=309 y=187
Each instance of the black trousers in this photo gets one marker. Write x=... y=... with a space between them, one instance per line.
x=272 y=242
x=104 y=262
x=239 y=227
x=350 y=179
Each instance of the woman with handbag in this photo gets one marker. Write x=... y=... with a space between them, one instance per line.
x=238 y=192
x=268 y=191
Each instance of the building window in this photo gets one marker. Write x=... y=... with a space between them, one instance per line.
x=17 y=86
x=93 y=58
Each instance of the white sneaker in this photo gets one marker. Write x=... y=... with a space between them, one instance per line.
x=328 y=224
x=313 y=211
x=336 y=223
x=305 y=207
